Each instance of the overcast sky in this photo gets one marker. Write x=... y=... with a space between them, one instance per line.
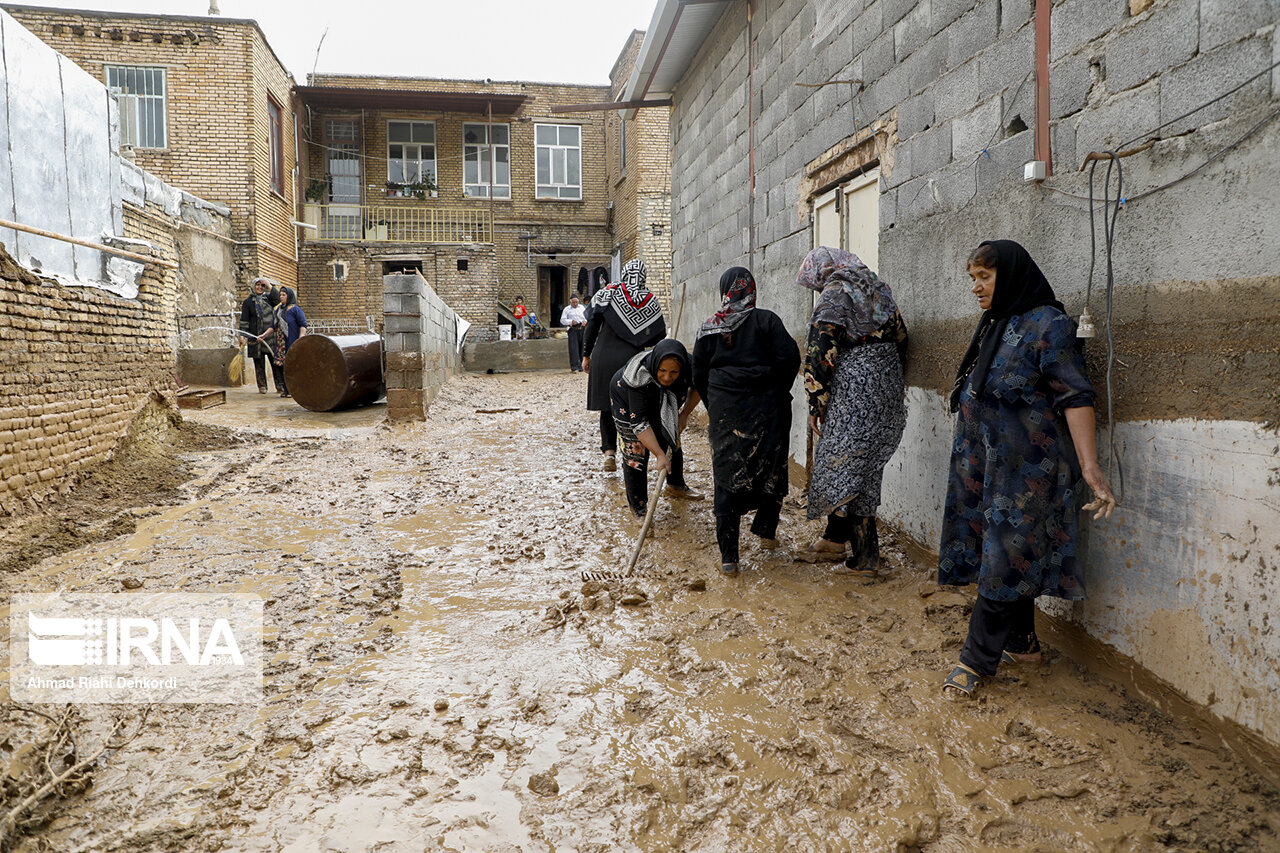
x=560 y=41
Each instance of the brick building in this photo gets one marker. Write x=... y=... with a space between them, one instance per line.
x=206 y=105
x=639 y=162
x=478 y=185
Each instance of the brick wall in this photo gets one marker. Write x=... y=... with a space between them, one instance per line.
x=76 y=365
x=218 y=71
x=641 y=189
x=574 y=231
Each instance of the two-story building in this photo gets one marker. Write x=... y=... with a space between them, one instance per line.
x=205 y=104
x=476 y=184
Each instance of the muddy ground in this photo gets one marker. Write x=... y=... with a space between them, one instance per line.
x=440 y=677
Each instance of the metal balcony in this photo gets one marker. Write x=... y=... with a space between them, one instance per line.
x=398 y=223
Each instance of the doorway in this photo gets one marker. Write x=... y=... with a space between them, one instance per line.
x=553 y=294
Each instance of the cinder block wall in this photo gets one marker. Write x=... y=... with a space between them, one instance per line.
x=421 y=345
x=1179 y=578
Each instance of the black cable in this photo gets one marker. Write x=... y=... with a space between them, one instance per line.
x=1231 y=91
x=1110 y=215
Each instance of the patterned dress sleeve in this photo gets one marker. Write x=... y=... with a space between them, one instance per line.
x=1060 y=356
x=821 y=351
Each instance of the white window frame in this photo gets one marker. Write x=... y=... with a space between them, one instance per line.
x=421 y=161
x=275 y=146
x=480 y=152
x=132 y=113
x=563 y=190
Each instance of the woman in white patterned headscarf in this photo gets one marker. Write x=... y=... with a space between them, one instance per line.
x=624 y=319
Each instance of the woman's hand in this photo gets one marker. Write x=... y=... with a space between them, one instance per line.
x=1104 y=502
x=815 y=425
x=663 y=461
x=586 y=364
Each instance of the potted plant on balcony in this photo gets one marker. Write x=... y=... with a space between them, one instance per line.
x=318 y=189
x=416 y=189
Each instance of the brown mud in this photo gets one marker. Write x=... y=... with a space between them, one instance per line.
x=439 y=676
x=103 y=501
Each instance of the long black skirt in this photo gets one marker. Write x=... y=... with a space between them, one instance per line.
x=750 y=437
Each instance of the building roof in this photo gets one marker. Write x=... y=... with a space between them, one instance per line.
x=676 y=32
x=207 y=20
x=355 y=97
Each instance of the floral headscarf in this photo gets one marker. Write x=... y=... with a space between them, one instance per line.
x=738 y=299
x=852 y=295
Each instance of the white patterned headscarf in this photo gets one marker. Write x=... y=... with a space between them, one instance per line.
x=629 y=301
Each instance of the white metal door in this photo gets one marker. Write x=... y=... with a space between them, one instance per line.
x=862 y=218
x=826 y=220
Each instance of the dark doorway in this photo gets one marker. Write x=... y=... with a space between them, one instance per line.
x=553 y=294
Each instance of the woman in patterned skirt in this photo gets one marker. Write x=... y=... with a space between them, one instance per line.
x=853 y=375
x=1024 y=439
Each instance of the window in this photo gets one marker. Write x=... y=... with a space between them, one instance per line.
x=276 y=131
x=559 y=160
x=342 y=138
x=622 y=143
x=411 y=152
x=140 y=93
x=486 y=150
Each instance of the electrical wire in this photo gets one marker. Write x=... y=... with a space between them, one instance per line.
x=1110 y=214
x=1208 y=103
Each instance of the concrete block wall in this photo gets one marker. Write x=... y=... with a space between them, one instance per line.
x=948 y=96
x=421 y=345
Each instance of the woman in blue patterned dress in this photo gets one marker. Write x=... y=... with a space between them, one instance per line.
x=1024 y=440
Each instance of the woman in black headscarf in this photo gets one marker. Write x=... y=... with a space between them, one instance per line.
x=744 y=362
x=622 y=320
x=1024 y=438
x=853 y=374
x=651 y=399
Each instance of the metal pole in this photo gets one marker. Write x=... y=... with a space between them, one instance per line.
x=134 y=256
x=1043 y=153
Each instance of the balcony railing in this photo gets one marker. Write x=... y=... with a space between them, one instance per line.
x=398 y=223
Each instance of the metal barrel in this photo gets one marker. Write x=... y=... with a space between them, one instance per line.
x=328 y=372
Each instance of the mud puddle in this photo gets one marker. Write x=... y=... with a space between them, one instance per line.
x=439 y=676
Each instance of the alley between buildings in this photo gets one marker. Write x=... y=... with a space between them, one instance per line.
x=439 y=676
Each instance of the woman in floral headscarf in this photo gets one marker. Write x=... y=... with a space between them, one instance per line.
x=744 y=363
x=623 y=319
x=853 y=374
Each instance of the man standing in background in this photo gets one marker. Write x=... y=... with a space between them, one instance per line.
x=574 y=317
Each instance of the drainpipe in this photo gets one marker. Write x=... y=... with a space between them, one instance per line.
x=751 y=134
x=1043 y=152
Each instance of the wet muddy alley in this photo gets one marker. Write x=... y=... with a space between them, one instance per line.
x=440 y=677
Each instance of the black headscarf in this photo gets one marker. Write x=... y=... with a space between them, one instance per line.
x=1020 y=286
x=642 y=371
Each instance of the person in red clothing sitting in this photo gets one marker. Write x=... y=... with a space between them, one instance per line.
x=521 y=314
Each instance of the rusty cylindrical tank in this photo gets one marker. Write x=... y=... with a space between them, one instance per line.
x=328 y=372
